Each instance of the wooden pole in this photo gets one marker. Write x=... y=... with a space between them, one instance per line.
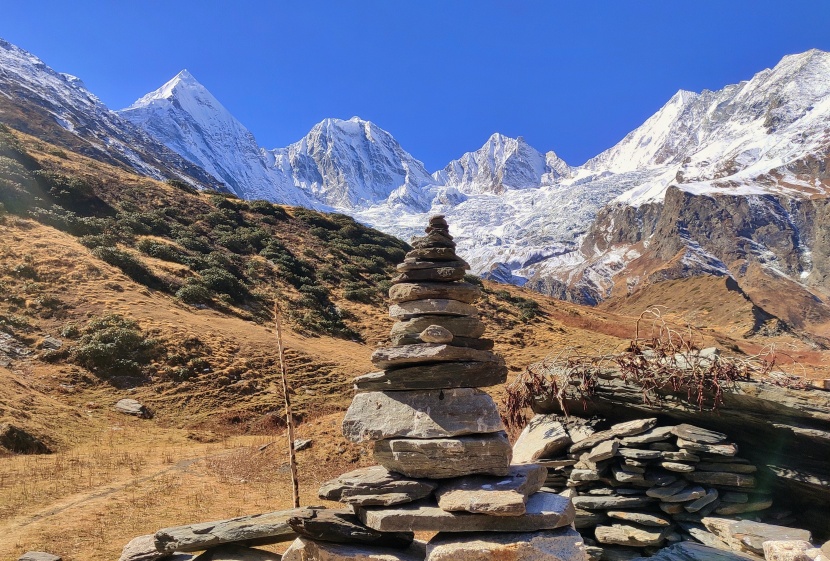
x=289 y=418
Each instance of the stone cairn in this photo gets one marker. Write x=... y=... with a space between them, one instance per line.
x=444 y=459
x=640 y=485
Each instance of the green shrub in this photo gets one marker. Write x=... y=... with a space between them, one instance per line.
x=223 y=282
x=161 y=250
x=113 y=345
x=186 y=187
x=129 y=265
x=193 y=293
x=268 y=209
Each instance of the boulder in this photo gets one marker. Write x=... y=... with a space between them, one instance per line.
x=441 y=375
x=748 y=536
x=496 y=496
x=544 y=511
x=231 y=552
x=303 y=549
x=544 y=436
x=564 y=544
x=132 y=407
x=461 y=291
x=432 y=306
x=375 y=485
x=342 y=526
x=442 y=458
x=420 y=414
x=396 y=357
x=17 y=440
x=257 y=529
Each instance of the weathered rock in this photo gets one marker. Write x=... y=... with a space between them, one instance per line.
x=585 y=519
x=681 y=456
x=446 y=457
x=710 y=497
x=396 y=357
x=721 y=478
x=690 y=551
x=610 y=502
x=434 y=253
x=432 y=306
x=754 y=505
x=433 y=239
x=133 y=407
x=642 y=518
x=697 y=434
x=420 y=414
x=661 y=492
x=603 y=451
x=584 y=475
x=411 y=264
x=787 y=550
x=633 y=478
x=342 y=526
x=271 y=527
x=677 y=467
x=461 y=291
x=716 y=449
x=544 y=436
x=440 y=274
x=691 y=493
x=51 y=343
x=620 y=430
x=441 y=375
x=657 y=434
x=497 y=496
x=564 y=544
x=630 y=535
x=748 y=536
x=142 y=548
x=637 y=454
x=232 y=552
x=303 y=549
x=17 y=440
x=544 y=511
x=302 y=444
x=38 y=556
x=459 y=326
x=436 y=334
x=660 y=479
x=375 y=485
x=672 y=508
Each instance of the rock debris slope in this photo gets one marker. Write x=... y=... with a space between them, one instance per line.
x=444 y=460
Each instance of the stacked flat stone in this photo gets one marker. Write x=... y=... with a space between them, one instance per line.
x=444 y=459
x=638 y=484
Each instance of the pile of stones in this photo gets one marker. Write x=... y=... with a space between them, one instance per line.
x=444 y=459
x=638 y=484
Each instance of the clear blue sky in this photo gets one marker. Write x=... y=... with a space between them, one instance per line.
x=440 y=75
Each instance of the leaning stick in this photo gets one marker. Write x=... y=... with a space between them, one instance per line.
x=289 y=418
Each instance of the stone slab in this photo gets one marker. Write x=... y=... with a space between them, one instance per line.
x=420 y=414
x=141 y=548
x=564 y=544
x=461 y=291
x=721 y=466
x=544 y=511
x=496 y=496
x=343 y=526
x=432 y=306
x=754 y=505
x=657 y=434
x=440 y=274
x=375 y=486
x=257 y=529
x=412 y=264
x=698 y=434
x=690 y=551
x=788 y=550
x=642 y=518
x=446 y=457
x=435 y=253
x=620 y=430
x=396 y=357
x=722 y=478
x=459 y=326
x=231 y=552
x=716 y=449
x=611 y=502
x=748 y=536
x=435 y=376
x=303 y=549
x=543 y=436
x=630 y=535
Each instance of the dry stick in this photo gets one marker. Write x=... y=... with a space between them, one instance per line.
x=289 y=419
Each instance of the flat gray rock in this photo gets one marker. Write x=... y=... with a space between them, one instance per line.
x=461 y=291
x=38 y=556
x=657 y=434
x=440 y=274
x=434 y=253
x=375 y=486
x=442 y=458
x=691 y=493
x=257 y=529
x=603 y=451
x=303 y=549
x=681 y=456
x=619 y=430
x=395 y=357
x=544 y=511
x=564 y=544
x=496 y=496
x=642 y=518
x=543 y=436
x=677 y=467
x=343 y=526
x=707 y=499
x=637 y=454
x=690 y=551
x=412 y=264
x=134 y=408
x=420 y=414
x=432 y=306
x=435 y=376
x=459 y=326
x=716 y=449
x=661 y=492
x=610 y=502
x=142 y=548
x=697 y=434
x=748 y=536
x=630 y=535
x=722 y=478
x=232 y=552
